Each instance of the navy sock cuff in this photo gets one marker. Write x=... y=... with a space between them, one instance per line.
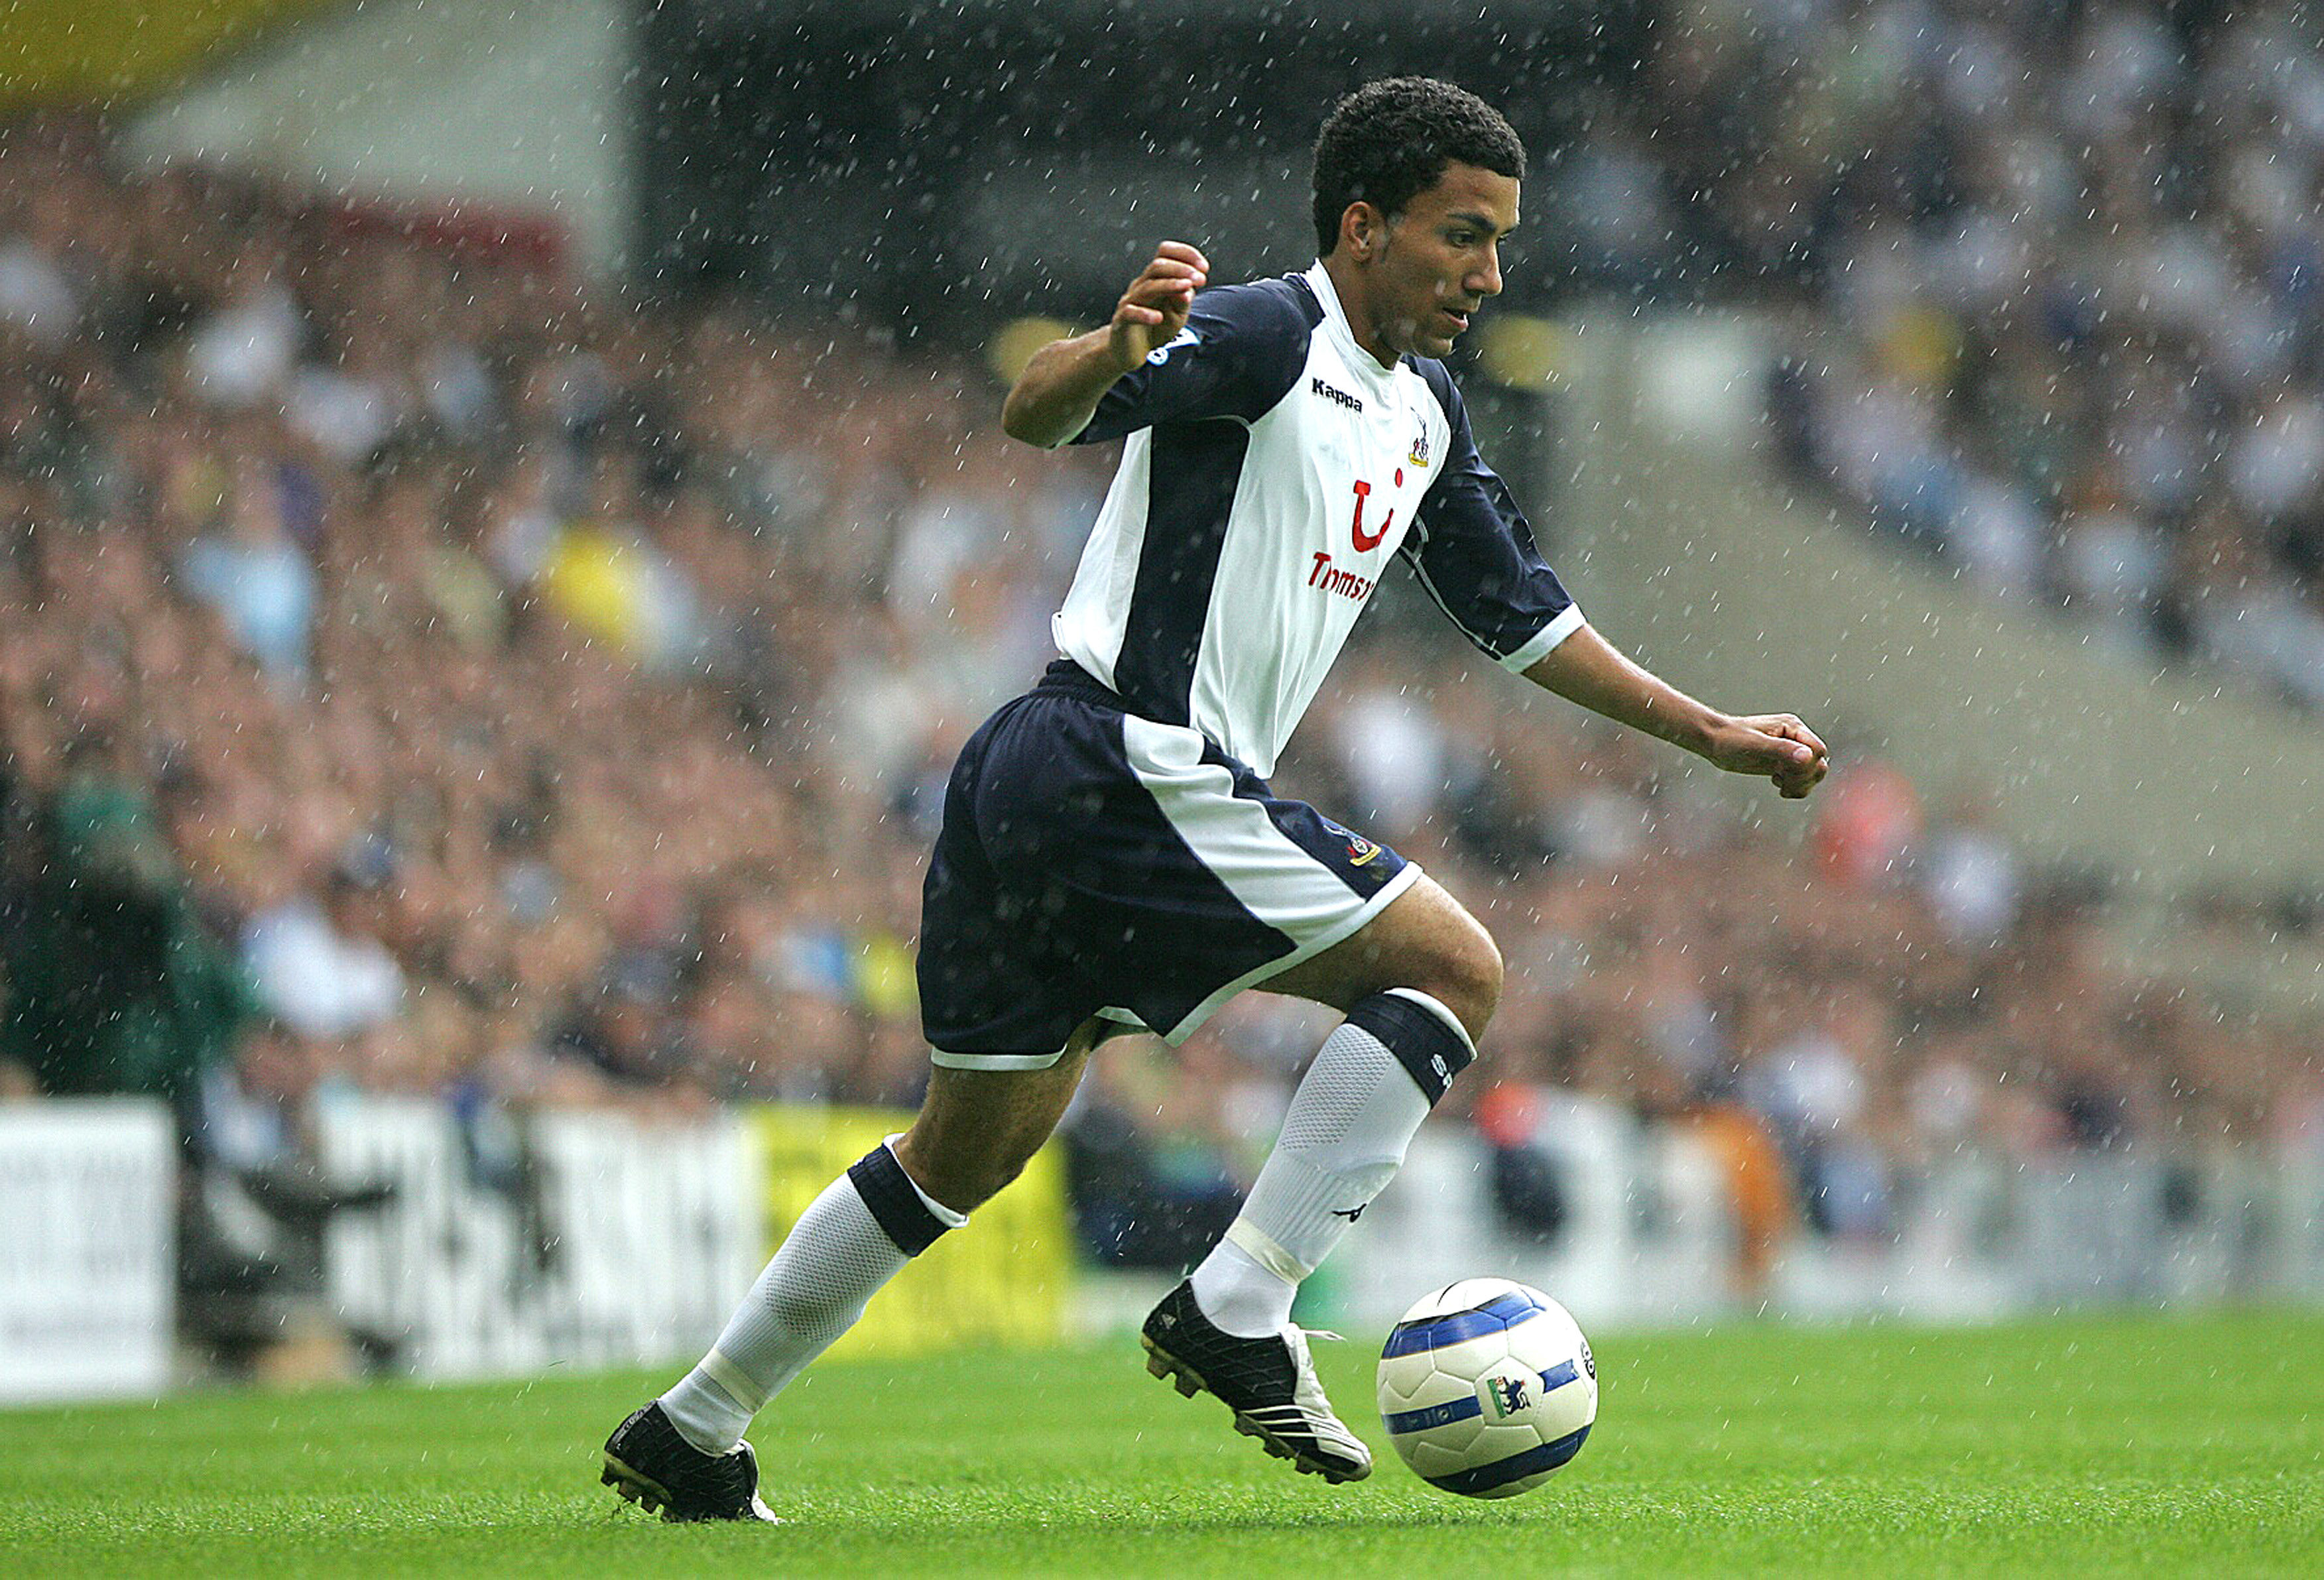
x=1431 y=1052
x=894 y=1204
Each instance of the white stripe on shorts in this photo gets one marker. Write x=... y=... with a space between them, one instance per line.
x=1270 y=874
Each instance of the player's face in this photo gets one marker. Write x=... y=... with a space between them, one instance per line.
x=1441 y=259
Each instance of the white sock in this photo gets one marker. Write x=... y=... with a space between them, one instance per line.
x=1343 y=1139
x=852 y=1239
x=1234 y=1289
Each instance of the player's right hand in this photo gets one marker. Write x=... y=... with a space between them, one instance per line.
x=1153 y=309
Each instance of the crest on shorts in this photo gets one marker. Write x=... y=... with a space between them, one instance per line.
x=1360 y=849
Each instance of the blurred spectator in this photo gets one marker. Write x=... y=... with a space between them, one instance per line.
x=1970 y=874
x=248 y=344
x=255 y=575
x=114 y=986
x=316 y=967
x=1868 y=823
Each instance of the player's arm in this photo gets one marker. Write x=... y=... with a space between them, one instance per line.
x=1474 y=553
x=1058 y=393
x=1586 y=668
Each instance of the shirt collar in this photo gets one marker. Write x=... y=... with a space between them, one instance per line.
x=1335 y=317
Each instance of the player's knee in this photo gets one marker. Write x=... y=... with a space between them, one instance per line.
x=1482 y=986
x=1466 y=979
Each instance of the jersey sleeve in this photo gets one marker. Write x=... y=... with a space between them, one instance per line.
x=1240 y=352
x=1473 y=552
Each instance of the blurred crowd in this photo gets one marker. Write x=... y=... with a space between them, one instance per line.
x=2049 y=272
x=423 y=676
x=519 y=690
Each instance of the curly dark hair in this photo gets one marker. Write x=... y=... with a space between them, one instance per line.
x=1390 y=140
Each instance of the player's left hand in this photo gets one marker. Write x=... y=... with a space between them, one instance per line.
x=1776 y=745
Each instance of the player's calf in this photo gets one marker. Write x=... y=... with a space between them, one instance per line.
x=977 y=1129
x=684 y=1453
x=1229 y=1328
x=1343 y=1138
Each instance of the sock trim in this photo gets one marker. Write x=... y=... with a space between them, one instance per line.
x=733 y=1383
x=1261 y=1248
x=1423 y=1040
x=1436 y=1006
x=894 y=1202
x=944 y=1215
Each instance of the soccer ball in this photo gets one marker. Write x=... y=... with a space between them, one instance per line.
x=1486 y=1388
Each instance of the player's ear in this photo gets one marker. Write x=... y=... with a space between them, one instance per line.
x=1362 y=228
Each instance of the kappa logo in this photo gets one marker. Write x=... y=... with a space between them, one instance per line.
x=1329 y=393
x=1420 y=449
x=1161 y=353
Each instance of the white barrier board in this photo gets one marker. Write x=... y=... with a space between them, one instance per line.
x=86 y=1249
x=592 y=1238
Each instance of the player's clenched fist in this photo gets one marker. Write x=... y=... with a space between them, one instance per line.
x=1153 y=309
x=1790 y=753
x=1055 y=397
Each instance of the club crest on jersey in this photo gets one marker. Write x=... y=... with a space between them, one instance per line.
x=1161 y=353
x=1420 y=449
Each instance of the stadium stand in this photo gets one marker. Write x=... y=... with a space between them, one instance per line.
x=2054 y=270
x=433 y=676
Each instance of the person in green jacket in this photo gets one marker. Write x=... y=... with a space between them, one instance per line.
x=115 y=986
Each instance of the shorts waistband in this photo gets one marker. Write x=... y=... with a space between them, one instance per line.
x=1065 y=678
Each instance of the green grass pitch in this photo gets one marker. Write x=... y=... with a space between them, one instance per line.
x=2151 y=1444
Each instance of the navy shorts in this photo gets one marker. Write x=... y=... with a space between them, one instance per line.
x=1093 y=862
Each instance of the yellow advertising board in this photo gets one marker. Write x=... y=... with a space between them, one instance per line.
x=1003 y=1280
x=103 y=52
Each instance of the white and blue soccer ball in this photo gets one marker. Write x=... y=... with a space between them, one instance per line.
x=1486 y=1388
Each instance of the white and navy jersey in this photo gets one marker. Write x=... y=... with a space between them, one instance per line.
x=1273 y=468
